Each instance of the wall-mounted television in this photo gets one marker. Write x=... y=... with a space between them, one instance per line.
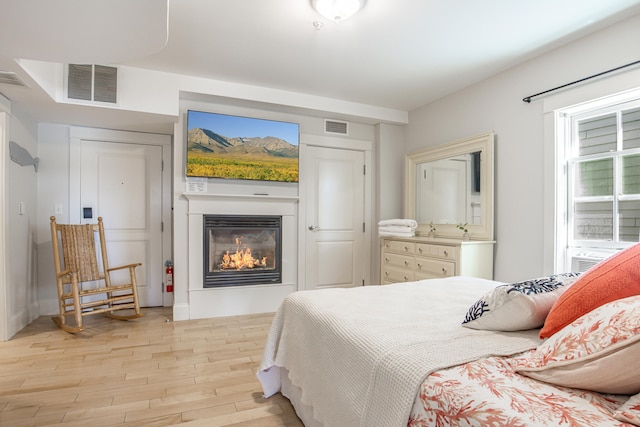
x=236 y=147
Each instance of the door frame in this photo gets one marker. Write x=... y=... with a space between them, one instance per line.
x=79 y=134
x=343 y=144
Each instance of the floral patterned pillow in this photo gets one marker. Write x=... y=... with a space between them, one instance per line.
x=630 y=411
x=518 y=306
x=599 y=351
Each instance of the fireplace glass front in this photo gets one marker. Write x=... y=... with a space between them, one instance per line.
x=242 y=250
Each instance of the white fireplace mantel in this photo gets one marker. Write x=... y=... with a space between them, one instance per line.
x=236 y=300
x=218 y=196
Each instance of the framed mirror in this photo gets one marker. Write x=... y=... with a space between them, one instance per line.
x=452 y=184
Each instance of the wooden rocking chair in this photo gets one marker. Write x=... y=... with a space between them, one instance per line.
x=81 y=264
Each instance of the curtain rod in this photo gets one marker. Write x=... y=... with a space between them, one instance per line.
x=527 y=99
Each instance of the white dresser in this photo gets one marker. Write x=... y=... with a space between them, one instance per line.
x=407 y=259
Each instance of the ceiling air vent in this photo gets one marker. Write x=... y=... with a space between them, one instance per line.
x=92 y=83
x=11 y=78
x=336 y=127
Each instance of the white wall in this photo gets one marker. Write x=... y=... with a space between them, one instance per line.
x=53 y=189
x=21 y=254
x=496 y=105
x=157 y=94
x=388 y=197
x=389 y=160
x=309 y=125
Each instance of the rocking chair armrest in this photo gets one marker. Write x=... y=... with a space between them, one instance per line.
x=122 y=267
x=66 y=272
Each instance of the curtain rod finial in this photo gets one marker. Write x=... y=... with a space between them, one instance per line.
x=527 y=99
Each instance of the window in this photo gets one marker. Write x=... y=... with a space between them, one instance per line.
x=599 y=189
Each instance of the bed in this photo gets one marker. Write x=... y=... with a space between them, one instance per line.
x=453 y=352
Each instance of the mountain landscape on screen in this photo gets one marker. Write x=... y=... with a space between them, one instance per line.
x=258 y=158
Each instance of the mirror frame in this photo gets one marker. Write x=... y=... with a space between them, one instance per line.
x=483 y=143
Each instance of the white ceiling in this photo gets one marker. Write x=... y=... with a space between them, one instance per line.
x=398 y=54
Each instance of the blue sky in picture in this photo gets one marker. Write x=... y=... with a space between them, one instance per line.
x=246 y=127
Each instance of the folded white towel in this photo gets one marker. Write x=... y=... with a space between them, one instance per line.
x=400 y=221
x=396 y=228
x=396 y=234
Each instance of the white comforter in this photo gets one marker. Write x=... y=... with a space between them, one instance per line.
x=360 y=354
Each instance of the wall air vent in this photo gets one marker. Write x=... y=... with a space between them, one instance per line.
x=92 y=83
x=11 y=78
x=336 y=127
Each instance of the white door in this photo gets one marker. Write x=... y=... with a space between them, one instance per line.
x=334 y=194
x=122 y=183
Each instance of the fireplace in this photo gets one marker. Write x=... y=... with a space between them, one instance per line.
x=242 y=250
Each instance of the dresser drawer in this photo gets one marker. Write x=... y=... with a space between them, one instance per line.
x=399 y=246
x=434 y=268
x=397 y=260
x=440 y=251
x=396 y=275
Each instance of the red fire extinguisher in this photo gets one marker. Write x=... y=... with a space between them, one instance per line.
x=169 y=273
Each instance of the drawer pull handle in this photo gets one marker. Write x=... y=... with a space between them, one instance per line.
x=386 y=245
x=446 y=253
x=386 y=273
x=444 y=270
x=386 y=259
x=406 y=263
x=420 y=250
x=419 y=266
x=406 y=278
x=406 y=249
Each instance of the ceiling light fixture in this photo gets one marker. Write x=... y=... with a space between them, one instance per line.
x=337 y=10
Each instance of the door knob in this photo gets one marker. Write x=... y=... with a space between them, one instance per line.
x=314 y=228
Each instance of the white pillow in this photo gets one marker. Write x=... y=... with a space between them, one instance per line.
x=599 y=351
x=518 y=306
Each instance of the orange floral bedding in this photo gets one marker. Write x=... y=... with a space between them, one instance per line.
x=488 y=393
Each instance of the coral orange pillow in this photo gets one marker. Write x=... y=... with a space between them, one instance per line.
x=614 y=278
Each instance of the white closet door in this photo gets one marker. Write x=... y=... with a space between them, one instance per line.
x=334 y=253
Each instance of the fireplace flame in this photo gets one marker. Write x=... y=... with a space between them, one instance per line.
x=241 y=259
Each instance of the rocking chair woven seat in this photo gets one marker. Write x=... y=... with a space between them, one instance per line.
x=84 y=281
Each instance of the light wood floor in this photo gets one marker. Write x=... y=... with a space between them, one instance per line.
x=143 y=372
